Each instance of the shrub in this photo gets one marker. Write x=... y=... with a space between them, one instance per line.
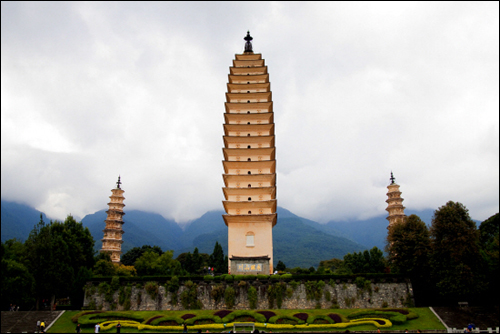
x=152 y=289
x=252 y=297
x=217 y=292
x=124 y=294
x=261 y=277
x=208 y=278
x=294 y=284
x=314 y=290
x=242 y=284
x=229 y=297
x=228 y=278
x=363 y=284
x=276 y=293
x=189 y=297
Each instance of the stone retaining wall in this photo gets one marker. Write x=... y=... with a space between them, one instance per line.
x=340 y=295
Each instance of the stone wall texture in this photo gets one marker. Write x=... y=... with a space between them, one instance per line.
x=334 y=295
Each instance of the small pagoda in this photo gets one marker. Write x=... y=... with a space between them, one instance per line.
x=249 y=165
x=395 y=203
x=112 y=241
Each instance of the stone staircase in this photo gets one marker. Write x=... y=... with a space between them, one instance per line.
x=25 y=321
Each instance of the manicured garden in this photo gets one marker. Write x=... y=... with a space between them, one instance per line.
x=264 y=320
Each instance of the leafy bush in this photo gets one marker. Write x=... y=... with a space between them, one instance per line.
x=189 y=297
x=229 y=297
x=314 y=290
x=261 y=277
x=228 y=278
x=152 y=289
x=124 y=294
x=252 y=297
x=217 y=292
x=208 y=278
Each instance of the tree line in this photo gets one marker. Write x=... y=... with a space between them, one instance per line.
x=58 y=258
x=451 y=261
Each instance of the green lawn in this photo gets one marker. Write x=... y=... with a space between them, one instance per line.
x=426 y=320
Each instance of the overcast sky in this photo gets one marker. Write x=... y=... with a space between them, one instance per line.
x=93 y=90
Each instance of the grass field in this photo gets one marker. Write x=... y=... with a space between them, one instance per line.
x=426 y=321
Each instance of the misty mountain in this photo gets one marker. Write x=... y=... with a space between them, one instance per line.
x=18 y=220
x=297 y=241
x=371 y=232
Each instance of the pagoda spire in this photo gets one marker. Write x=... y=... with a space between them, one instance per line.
x=395 y=203
x=248 y=44
x=249 y=165
x=112 y=241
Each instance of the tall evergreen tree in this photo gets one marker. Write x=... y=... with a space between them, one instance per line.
x=216 y=259
x=455 y=259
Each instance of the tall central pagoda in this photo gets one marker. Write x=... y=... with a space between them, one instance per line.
x=249 y=165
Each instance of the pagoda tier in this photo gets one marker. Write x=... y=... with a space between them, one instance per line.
x=395 y=203
x=112 y=241
x=249 y=165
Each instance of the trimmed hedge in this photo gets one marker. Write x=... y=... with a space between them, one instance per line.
x=275 y=319
x=394 y=317
x=158 y=320
x=91 y=319
x=242 y=313
x=214 y=318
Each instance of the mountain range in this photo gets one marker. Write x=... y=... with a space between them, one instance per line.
x=298 y=242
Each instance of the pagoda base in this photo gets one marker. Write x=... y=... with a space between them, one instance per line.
x=252 y=265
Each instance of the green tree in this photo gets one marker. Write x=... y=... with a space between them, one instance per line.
x=17 y=284
x=371 y=261
x=489 y=235
x=216 y=259
x=151 y=264
x=147 y=264
x=280 y=266
x=408 y=247
x=455 y=259
x=56 y=252
x=197 y=262
x=132 y=255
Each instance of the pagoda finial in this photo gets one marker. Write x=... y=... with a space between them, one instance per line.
x=392 y=178
x=248 y=44
x=118 y=183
